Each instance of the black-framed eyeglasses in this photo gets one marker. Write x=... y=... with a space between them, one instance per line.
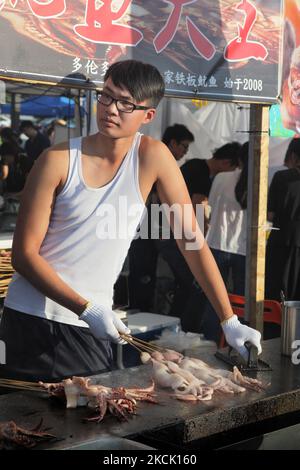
x=123 y=106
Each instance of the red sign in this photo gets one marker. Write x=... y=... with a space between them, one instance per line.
x=223 y=49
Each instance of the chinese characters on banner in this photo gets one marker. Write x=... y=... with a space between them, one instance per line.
x=226 y=49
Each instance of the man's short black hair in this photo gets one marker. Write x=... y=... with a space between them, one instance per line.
x=294 y=147
x=9 y=148
x=228 y=152
x=177 y=132
x=143 y=81
x=25 y=124
x=7 y=133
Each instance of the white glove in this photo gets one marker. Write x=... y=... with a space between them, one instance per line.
x=104 y=323
x=237 y=334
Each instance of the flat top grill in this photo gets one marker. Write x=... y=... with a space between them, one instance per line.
x=189 y=421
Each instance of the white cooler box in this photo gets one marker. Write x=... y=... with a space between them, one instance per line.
x=146 y=326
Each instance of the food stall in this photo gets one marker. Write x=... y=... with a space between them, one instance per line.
x=188 y=48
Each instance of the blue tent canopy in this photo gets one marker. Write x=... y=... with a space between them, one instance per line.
x=44 y=106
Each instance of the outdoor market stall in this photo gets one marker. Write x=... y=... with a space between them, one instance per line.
x=228 y=51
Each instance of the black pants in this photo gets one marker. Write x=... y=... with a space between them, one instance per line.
x=40 y=349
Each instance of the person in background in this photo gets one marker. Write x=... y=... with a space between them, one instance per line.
x=143 y=253
x=178 y=139
x=13 y=162
x=283 y=246
x=50 y=132
x=8 y=136
x=36 y=143
x=227 y=234
x=198 y=174
x=287 y=163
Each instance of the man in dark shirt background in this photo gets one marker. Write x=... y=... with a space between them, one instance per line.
x=36 y=143
x=283 y=247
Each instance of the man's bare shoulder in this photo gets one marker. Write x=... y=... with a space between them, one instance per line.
x=58 y=149
x=153 y=150
x=52 y=163
x=56 y=154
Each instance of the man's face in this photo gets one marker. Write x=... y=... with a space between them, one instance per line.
x=225 y=165
x=179 y=149
x=26 y=131
x=117 y=124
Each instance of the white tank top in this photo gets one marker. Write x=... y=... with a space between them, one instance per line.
x=88 y=237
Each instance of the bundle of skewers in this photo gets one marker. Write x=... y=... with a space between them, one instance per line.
x=6 y=271
x=119 y=401
x=21 y=385
x=146 y=348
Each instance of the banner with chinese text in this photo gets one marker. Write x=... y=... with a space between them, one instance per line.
x=226 y=49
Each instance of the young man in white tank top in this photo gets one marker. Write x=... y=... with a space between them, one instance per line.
x=58 y=319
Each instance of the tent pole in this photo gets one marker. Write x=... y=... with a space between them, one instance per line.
x=257 y=214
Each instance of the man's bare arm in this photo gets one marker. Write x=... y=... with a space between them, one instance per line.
x=37 y=202
x=172 y=190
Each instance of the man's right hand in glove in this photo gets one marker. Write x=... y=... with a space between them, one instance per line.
x=237 y=334
x=104 y=323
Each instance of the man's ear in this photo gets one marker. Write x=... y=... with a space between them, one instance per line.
x=149 y=116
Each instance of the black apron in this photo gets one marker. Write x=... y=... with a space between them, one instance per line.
x=40 y=349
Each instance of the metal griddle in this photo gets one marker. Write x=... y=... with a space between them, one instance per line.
x=183 y=421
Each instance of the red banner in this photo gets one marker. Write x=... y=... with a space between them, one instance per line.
x=227 y=49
